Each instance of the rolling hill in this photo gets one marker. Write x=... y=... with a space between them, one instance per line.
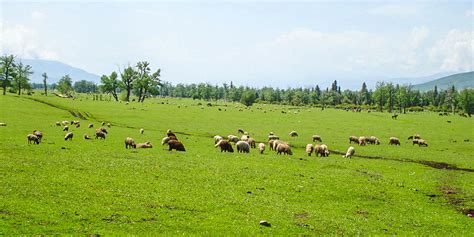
x=460 y=81
x=56 y=70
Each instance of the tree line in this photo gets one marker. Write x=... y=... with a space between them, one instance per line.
x=141 y=82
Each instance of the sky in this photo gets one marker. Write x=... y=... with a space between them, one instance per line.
x=251 y=43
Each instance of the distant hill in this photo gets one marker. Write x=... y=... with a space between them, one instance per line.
x=56 y=70
x=460 y=81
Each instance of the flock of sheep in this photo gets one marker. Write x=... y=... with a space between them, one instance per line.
x=242 y=144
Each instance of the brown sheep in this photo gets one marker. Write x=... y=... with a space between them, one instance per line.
x=129 y=142
x=32 y=137
x=66 y=128
x=217 y=138
x=252 y=142
x=174 y=144
x=321 y=150
x=271 y=143
x=225 y=146
x=86 y=137
x=38 y=134
x=284 y=148
x=101 y=130
x=373 y=140
x=169 y=133
x=309 y=149
x=362 y=141
x=99 y=134
x=261 y=147
x=353 y=139
x=422 y=142
x=144 y=145
x=317 y=138
x=68 y=136
x=350 y=152
x=394 y=141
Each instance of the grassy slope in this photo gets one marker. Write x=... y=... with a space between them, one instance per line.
x=460 y=81
x=99 y=187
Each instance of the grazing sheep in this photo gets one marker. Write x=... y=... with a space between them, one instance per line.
x=242 y=147
x=224 y=145
x=102 y=124
x=422 y=142
x=38 y=134
x=350 y=152
x=273 y=137
x=373 y=140
x=78 y=124
x=90 y=125
x=169 y=133
x=142 y=131
x=58 y=123
x=177 y=145
x=144 y=145
x=394 y=116
x=317 y=138
x=309 y=149
x=394 y=141
x=3 y=124
x=261 y=147
x=165 y=140
x=66 y=128
x=86 y=137
x=362 y=141
x=353 y=139
x=108 y=125
x=64 y=123
x=322 y=150
x=293 y=134
x=284 y=148
x=240 y=131
x=244 y=138
x=68 y=136
x=271 y=143
x=252 y=142
x=32 y=137
x=415 y=141
x=101 y=130
x=217 y=138
x=233 y=138
x=129 y=142
x=416 y=136
x=99 y=134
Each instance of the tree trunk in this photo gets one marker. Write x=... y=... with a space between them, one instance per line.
x=4 y=85
x=128 y=94
x=115 y=96
x=19 y=87
x=45 y=89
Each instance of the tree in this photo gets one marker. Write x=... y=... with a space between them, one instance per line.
x=248 y=97
x=466 y=98
x=65 y=85
x=128 y=78
x=110 y=84
x=452 y=98
x=380 y=95
x=142 y=80
x=22 y=76
x=7 y=69
x=84 y=86
x=45 y=77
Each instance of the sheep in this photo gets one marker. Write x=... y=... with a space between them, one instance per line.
x=58 y=123
x=276 y=142
x=38 y=134
x=416 y=136
x=261 y=147
x=68 y=136
x=217 y=138
x=242 y=147
x=244 y=138
x=101 y=129
x=3 y=124
x=165 y=140
x=142 y=131
x=78 y=124
x=309 y=149
x=108 y=125
x=64 y=123
x=240 y=131
x=99 y=134
x=273 y=137
x=102 y=124
x=224 y=145
x=373 y=140
x=66 y=128
x=271 y=134
x=90 y=125
x=415 y=141
x=270 y=144
x=394 y=116
x=350 y=152
x=86 y=137
x=284 y=148
x=233 y=138
x=321 y=150
x=129 y=142
x=32 y=137
x=293 y=134
x=174 y=144
x=362 y=141
x=422 y=142
x=251 y=142
x=353 y=139
x=394 y=141
x=144 y=145
x=317 y=138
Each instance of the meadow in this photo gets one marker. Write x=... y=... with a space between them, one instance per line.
x=99 y=187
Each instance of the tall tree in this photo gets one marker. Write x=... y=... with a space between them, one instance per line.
x=110 y=84
x=128 y=78
x=65 y=85
x=21 y=78
x=467 y=101
x=7 y=69
x=452 y=98
x=45 y=77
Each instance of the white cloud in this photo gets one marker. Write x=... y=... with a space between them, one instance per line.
x=394 y=10
x=37 y=15
x=23 y=42
x=469 y=13
x=455 y=52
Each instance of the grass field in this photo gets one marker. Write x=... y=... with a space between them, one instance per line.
x=99 y=187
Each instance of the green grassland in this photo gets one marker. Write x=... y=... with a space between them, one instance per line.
x=99 y=187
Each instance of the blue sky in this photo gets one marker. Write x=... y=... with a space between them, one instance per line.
x=254 y=43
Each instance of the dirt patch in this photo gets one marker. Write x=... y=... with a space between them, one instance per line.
x=303 y=215
x=73 y=113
